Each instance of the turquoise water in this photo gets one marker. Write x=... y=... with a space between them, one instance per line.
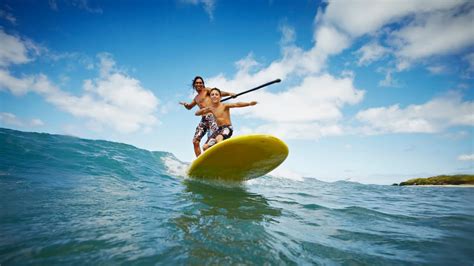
x=65 y=200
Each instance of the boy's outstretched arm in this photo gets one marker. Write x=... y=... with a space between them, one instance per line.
x=204 y=110
x=188 y=106
x=241 y=104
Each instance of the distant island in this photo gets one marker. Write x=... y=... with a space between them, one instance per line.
x=440 y=180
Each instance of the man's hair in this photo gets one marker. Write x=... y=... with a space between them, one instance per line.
x=216 y=89
x=196 y=78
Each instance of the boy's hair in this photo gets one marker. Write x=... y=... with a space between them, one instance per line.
x=196 y=78
x=216 y=89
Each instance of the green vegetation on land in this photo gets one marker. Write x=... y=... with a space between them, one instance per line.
x=441 y=180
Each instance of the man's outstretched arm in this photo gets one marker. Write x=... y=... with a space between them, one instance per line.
x=188 y=106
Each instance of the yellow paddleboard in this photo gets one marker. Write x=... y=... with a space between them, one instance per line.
x=240 y=158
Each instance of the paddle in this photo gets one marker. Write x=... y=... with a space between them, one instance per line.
x=254 y=89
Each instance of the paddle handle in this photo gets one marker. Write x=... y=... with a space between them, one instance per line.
x=254 y=89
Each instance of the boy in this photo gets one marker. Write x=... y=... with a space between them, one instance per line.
x=221 y=112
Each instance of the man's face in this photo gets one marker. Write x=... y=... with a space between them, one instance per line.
x=215 y=96
x=199 y=84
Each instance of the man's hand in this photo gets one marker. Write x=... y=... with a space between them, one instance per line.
x=231 y=94
x=252 y=103
x=184 y=104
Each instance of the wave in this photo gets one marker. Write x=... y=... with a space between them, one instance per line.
x=43 y=154
x=93 y=201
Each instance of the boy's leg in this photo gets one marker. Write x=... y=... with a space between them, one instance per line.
x=210 y=142
x=219 y=138
x=225 y=133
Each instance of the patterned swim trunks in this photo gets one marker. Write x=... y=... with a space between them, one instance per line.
x=207 y=125
x=224 y=131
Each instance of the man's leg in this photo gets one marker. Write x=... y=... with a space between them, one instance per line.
x=197 y=149
x=201 y=130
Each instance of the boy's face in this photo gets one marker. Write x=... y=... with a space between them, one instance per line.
x=199 y=84
x=215 y=96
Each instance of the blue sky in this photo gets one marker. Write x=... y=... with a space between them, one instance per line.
x=374 y=92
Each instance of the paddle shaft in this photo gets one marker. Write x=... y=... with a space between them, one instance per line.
x=254 y=89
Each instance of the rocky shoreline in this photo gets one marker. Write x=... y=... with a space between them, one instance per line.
x=442 y=180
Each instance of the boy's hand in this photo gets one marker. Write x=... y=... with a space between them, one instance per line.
x=232 y=94
x=184 y=104
x=252 y=103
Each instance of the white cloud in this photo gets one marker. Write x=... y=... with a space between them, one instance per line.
x=13 y=50
x=36 y=122
x=10 y=119
x=114 y=99
x=246 y=65
x=437 y=33
x=288 y=35
x=330 y=41
x=424 y=28
x=17 y=86
x=466 y=157
x=7 y=16
x=438 y=69
x=317 y=98
x=294 y=62
x=341 y=22
x=53 y=4
x=370 y=52
x=209 y=6
x=433 y=116
x=298 y=130
x=367 y=16
x=458 y=135
x=80 y=4
x=389 y=80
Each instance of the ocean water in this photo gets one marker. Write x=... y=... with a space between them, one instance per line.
x=65 y=200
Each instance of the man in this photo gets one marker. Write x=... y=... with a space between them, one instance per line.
x=207 y=123
x=221 y=112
